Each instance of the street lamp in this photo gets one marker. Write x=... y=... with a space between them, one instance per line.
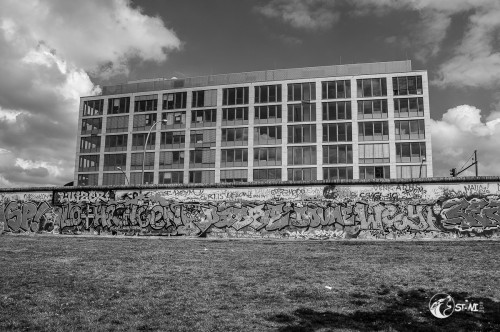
x=421 y=164
x=121 y=170
x=146 y=143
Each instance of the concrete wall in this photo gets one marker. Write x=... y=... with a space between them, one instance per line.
x=446 y=208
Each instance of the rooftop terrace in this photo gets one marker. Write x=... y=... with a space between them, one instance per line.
x=259 y=76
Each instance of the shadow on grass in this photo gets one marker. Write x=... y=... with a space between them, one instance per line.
x=404 y=311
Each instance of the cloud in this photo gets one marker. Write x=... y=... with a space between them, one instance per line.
x=458 y=134
x=309 y=14
x=48 y=51
x=472 y=60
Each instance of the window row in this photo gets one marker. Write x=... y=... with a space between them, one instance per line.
x=259 y=175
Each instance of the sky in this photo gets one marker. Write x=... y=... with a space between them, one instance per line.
x=52 y=52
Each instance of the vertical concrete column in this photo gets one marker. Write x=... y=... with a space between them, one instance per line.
x=428 y=129
x=284 y=131
x=319 y=131
x=129 y=135
x=78 y=139
x=392 y=127
x=103 y=140
x=156 y=175
x=218 y=135
x=355 y=128
x=251 y=117
x=187 y=142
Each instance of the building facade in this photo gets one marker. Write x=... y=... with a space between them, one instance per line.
x=357 y=121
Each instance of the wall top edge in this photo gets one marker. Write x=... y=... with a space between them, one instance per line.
x=435 y=180
x=357 y=69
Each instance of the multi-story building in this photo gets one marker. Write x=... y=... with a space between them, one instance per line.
x=357 y=121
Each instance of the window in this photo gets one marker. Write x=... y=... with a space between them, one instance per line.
x=234 y=136
x=110 y=179
x=234 y=175
x=112 y=161
x=373 y=131
x=337 y=132
x=412 y=152
x=235 y=96
x=89 y=163
x=171 y=177
x=146 y=103
x=372 y=87
x=267 y=156
x=91 y=125
x=268 y=93
x=174 y=120
x=200 y=158
x=175 y=100
x=337 y=173
x=136 y=178
x=172 y=159
x=336 y=89
x=268 y=114
x=201 y=176
x=144 y=121
x=204 y=98
x=408 y=107
x=116 y=143
x=373 y=153
x=302 y=155
x=88 y=179
x=235 y=115
x=93 y=107
x=337 y=154
x=407 y=85
x=374 y=172
x=90 y=144
x=302 y=134
x=411 y=171
x=116 y=124
x=204 y=118
x=337 y=110
x=138 y=141
x=203 y=138
x=136 y=160
x=267 y=135
x=302 y=91
x=301 y=113
x=410 y=129
x=372 y=109
x=266 y=174
x=172 y=139
x=301 y=174
x=118 y=105
x=234 y=157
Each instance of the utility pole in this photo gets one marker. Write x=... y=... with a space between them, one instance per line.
x=475 y=161
x=455 y=173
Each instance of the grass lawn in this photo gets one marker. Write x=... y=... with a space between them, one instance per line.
x=88 y=283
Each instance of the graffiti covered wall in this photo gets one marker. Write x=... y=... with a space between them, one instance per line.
x=392 y=210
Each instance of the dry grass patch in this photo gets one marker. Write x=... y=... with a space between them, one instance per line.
x=70 y=283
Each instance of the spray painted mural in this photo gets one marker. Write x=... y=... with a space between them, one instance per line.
x=343 y=211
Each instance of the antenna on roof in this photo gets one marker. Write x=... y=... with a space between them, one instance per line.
x=340 y=60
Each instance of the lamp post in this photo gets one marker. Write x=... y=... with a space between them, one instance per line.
x=421 y=164
x=121 y=170
x=146 y=143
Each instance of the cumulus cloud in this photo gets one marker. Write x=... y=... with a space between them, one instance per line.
x=461 y=131
x=48 y=49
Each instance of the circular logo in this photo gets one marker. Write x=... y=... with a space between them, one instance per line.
x=442 y=305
